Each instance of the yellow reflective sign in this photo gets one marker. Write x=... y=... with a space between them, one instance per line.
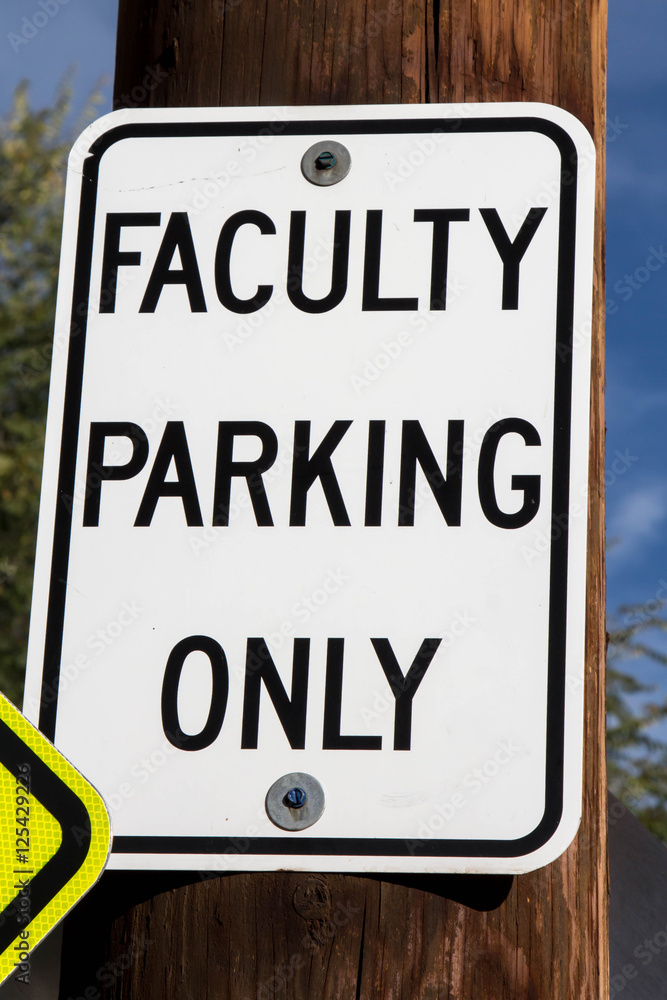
x=55 y=839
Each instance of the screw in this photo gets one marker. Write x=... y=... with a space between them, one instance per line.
x=295 y=798
x=325 y=161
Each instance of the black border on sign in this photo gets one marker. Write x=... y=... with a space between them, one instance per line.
x=323 y=846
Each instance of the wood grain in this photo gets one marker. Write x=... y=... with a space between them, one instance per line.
x=333 y=937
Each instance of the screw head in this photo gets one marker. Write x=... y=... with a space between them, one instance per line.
x=325 y=161
x=295 y=798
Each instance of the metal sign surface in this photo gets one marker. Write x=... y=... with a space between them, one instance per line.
x=314 y=500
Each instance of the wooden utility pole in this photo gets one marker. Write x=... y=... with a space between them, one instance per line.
x=333 y=937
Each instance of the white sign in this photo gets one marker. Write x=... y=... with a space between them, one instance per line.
x=314 y=500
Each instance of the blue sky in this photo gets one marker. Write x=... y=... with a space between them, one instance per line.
x=636 y=294
x=81 y=34
x=77 y=34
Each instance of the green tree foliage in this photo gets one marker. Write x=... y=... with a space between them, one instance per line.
x=636 y=756
x=33 y=155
